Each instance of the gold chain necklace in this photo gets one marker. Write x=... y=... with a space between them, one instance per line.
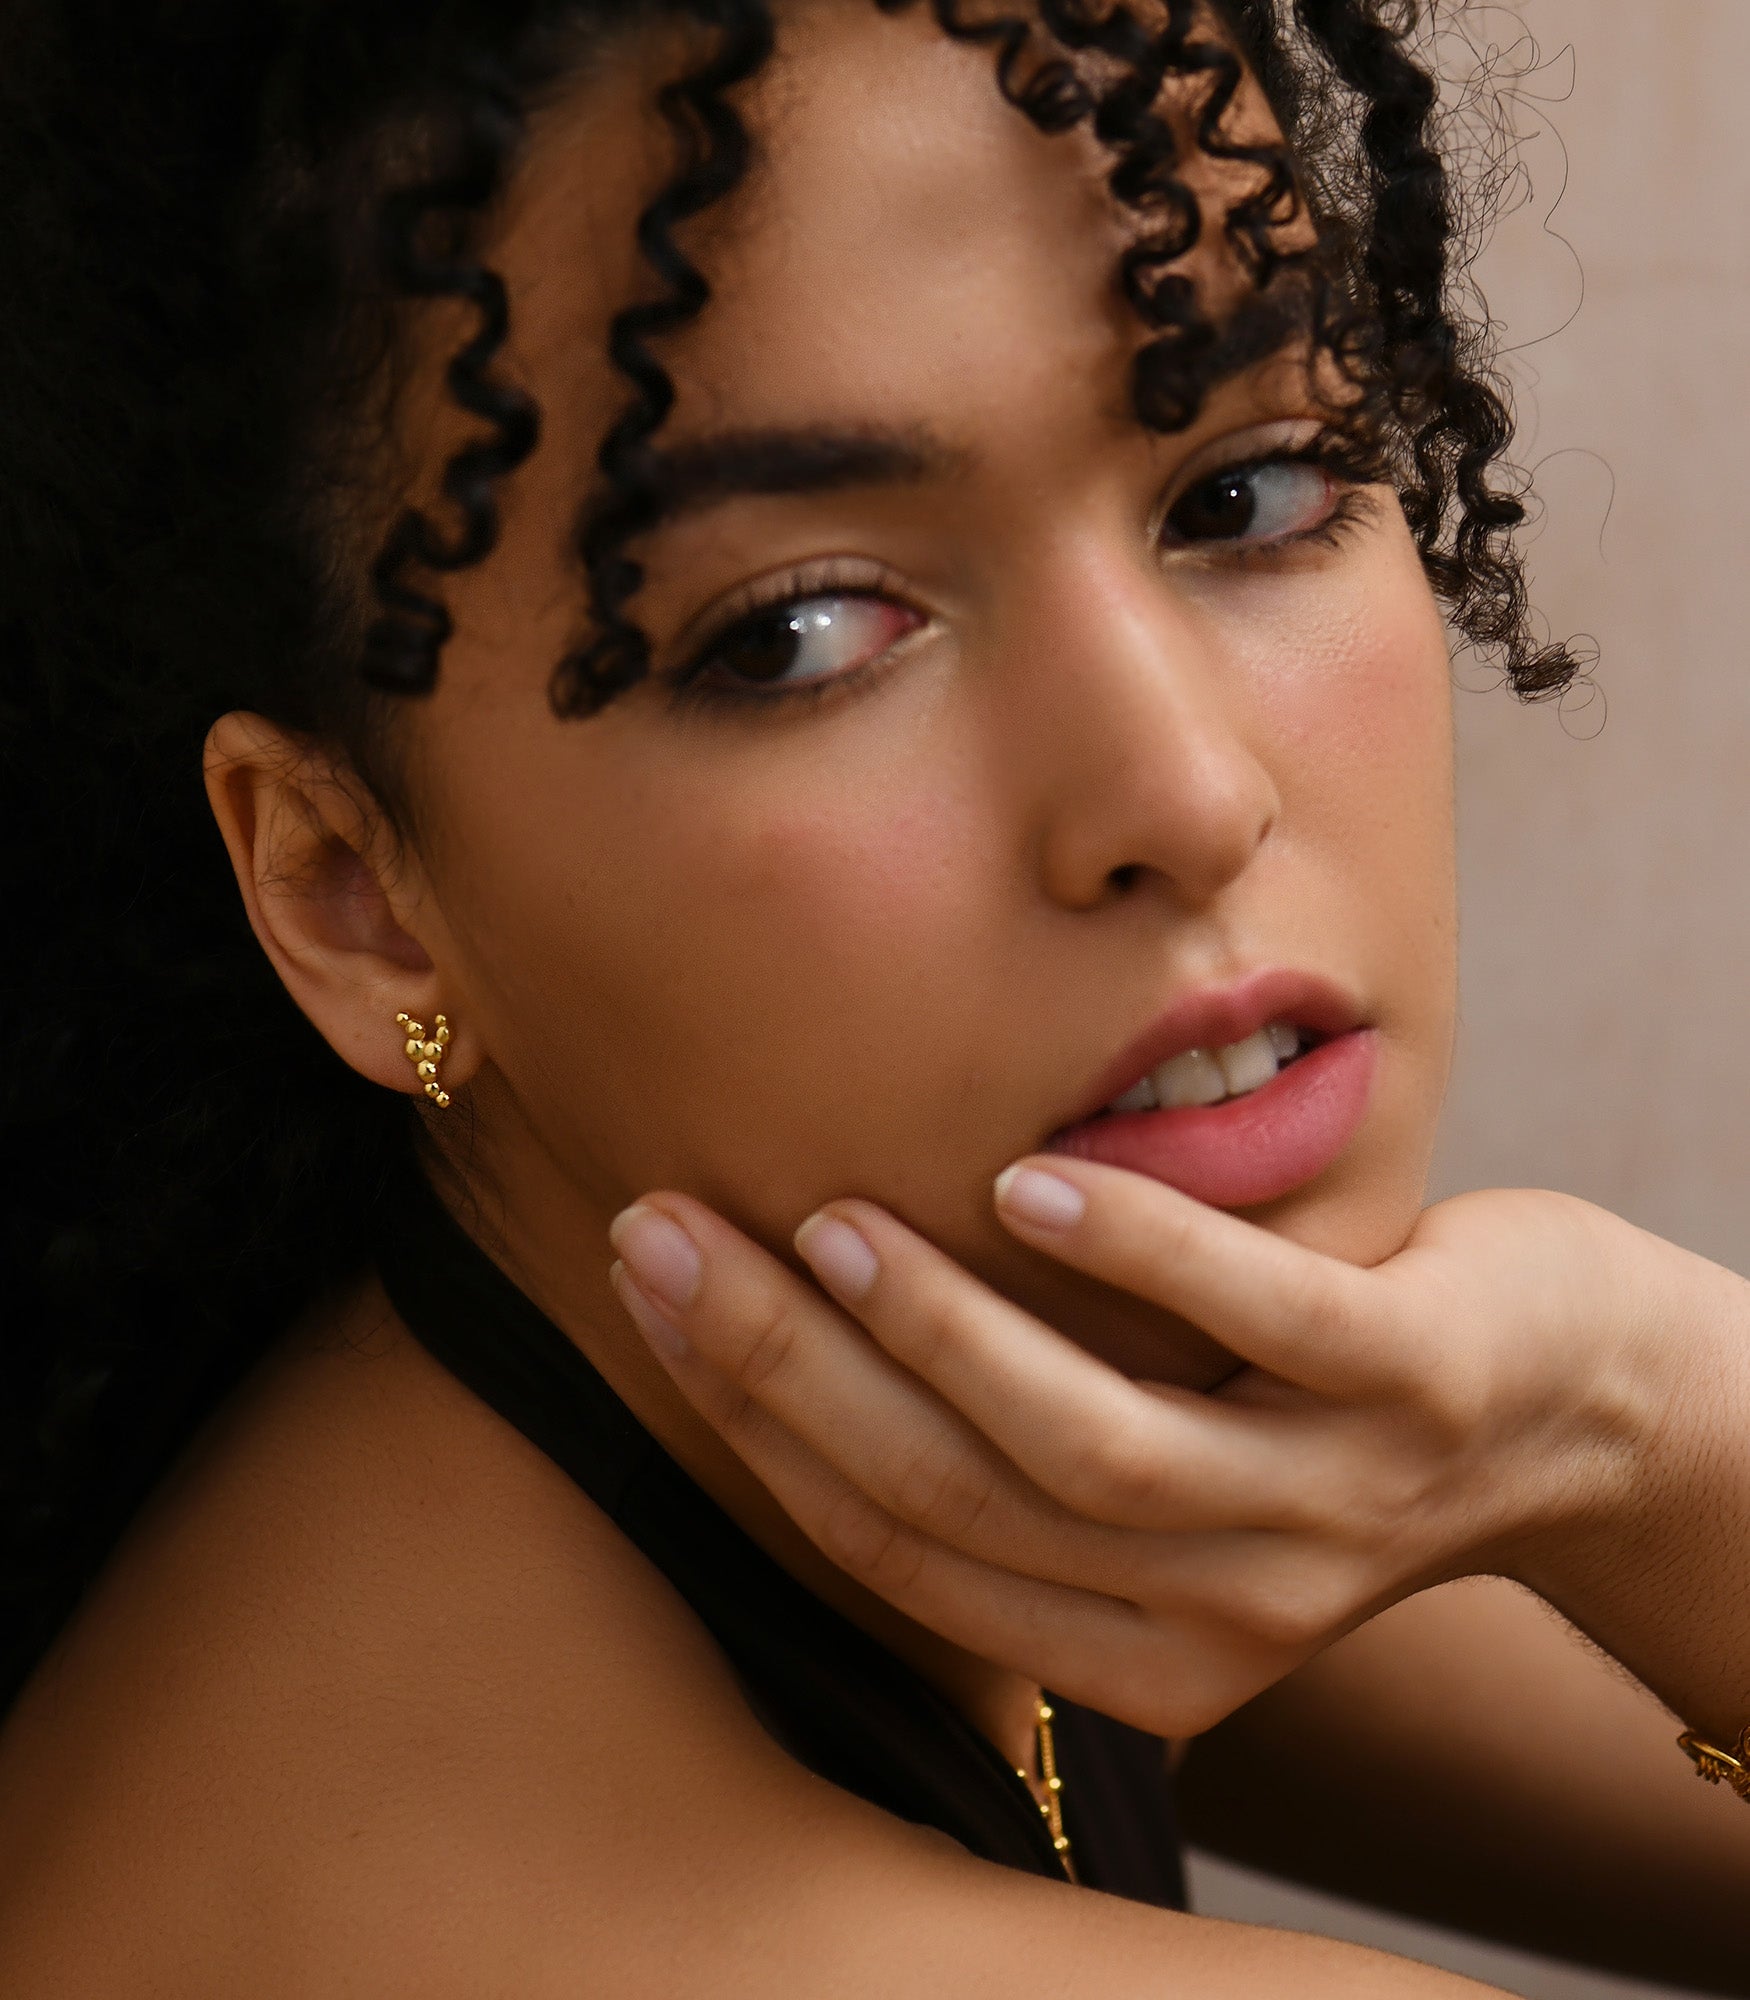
x=1051 y=1806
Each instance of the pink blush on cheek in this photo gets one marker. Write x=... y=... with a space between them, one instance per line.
x=891 y=862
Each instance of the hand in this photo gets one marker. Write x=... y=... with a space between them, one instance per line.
x=1484 y=1401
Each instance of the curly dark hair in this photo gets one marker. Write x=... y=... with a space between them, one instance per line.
x=220 y=222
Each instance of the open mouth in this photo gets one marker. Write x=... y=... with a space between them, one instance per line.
x=1239 y=1123
x=1236 y=1094
x=1203 y=1077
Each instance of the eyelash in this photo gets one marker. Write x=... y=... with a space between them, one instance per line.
x=1344 y=459
x=1349 y=508
x=691 y=686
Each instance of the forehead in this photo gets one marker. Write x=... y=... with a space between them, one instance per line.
x=903 y=241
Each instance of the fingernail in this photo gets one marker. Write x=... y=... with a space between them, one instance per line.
x=657 y=1328
x=1040 y=1200
x=838 y=1255
x=659 y=1254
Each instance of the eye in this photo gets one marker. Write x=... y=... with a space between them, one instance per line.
x=803 y=640
x=1273 y=500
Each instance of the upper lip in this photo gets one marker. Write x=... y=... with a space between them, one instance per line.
x=1214 y=1016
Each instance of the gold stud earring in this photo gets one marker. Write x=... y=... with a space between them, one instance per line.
x=425 y=1056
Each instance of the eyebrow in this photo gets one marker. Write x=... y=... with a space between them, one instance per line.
x=702 y=471
x=685 y=478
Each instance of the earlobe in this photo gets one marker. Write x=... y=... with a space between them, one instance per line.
x=334 y=899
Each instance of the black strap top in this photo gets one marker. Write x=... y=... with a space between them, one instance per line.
x=838 y=1701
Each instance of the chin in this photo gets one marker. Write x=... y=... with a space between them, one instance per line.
x=1362 y=1210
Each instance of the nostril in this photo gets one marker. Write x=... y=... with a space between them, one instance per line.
x=1125 y=878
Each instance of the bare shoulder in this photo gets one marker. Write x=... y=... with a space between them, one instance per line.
x=384 y=1708
x=369 y=1668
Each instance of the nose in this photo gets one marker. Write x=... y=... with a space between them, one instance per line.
x=1135 y=740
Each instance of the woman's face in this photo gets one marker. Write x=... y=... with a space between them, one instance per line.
x=1038 y=736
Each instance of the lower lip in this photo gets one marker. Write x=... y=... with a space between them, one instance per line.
x=1252 y=1149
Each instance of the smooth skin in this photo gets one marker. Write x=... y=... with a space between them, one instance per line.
x=373 y=1701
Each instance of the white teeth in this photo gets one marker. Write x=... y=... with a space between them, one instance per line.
x=1193 y=1078
x=1245 y=1065
x=1206 y=1076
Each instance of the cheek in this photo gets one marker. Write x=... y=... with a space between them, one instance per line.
x=807 y=892
x=719 y=940
x=1362 y=719
x=1365 y=715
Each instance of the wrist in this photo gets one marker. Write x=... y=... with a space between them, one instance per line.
x=1631 y=1422
x=1639 y=1552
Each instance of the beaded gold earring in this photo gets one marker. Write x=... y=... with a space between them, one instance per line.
x=425 y=1056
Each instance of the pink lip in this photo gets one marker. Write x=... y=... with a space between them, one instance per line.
x=1255 y=1148
x=1251 y=1149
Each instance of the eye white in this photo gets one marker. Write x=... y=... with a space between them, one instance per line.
x=1249 y=505
x=832 y=635
x=1287 y=499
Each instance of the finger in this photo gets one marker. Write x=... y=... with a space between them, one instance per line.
x=1302 y=1316
x=1085 y=1644
x=1103 y=1447
x=1174 y=1671
x=794 y=1359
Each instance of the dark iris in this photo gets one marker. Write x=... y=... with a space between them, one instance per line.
x=762 y=648
x=1220 y=509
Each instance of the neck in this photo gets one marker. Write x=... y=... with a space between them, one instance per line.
x=537 y=1242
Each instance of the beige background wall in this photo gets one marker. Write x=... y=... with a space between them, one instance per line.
x=1606 y=942
x=1605 y=1046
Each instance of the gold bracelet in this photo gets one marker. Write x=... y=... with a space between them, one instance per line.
x=1717 y=1766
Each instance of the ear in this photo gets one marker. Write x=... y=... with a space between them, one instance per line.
x=337 y=901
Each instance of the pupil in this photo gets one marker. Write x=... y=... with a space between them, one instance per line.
x=1221 y=509
x=765 y=647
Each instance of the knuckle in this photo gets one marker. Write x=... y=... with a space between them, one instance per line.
x=901 y=1565
x=738 y=1416
x=870 y=1545
x=1289 y=1610
x=1455 y=1405
x=1180 y=1230
x=1118 y=1473
x=770 y=1346
x=1311 y=1510
x=1360 y=1473
x=1377 y=1502
x=1318 y=1313
x=923 y=1337
x=1431 y=1410
x=1172 y=1244
x=855 y=1533
x=935 y=1490
x=1397 y=1381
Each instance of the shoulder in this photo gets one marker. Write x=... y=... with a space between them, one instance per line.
x=370 y=1679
